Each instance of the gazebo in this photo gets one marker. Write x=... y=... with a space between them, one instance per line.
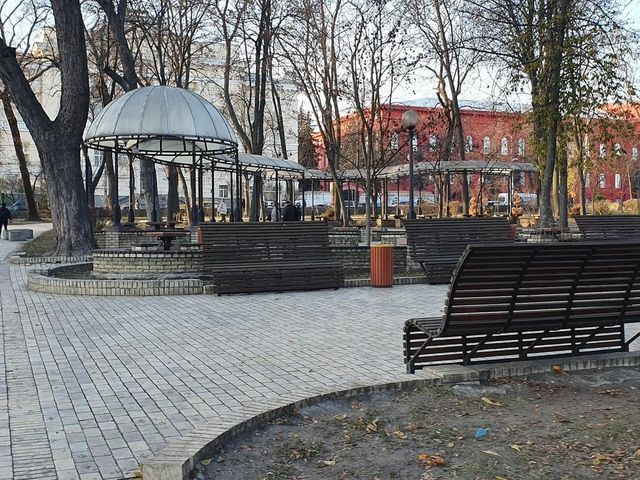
x=165 y=125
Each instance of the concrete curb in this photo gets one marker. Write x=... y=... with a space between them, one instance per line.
x=179 y=460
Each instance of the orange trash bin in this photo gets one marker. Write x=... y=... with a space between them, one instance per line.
x=381 y=265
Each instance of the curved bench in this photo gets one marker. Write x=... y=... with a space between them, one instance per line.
x=436 y=244
x=594 y=227
x=518 y=301
x=267 y=257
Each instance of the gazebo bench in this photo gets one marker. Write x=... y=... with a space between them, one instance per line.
x=510 y=301
x=593 y=227
x=264 y=257
x=436 y=244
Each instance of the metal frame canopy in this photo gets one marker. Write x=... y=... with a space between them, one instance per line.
x=159 y=123
x=468 y=166
x=161 y=120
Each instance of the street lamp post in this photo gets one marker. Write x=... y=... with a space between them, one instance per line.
x=410 y=120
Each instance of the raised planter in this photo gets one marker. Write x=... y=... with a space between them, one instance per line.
x=120 y=261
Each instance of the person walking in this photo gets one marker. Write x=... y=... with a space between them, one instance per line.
x=222 y=209
x=5 y=217
x=289 y=213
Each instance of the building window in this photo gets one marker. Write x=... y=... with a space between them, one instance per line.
x=486 y=145
x=603 y=150
x=504 y=146
x=617 y=149
x=603 y=181
x=468 y=147
x=618 y=180
x=223 y=191
x=97 y=158
x=521 y=146
x=394 y=142
x=634 y=153
x=433 y=142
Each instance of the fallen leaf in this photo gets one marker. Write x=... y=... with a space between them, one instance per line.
x=516 y=448
x=500 y=478
x=400 y=434
x=206 y=461
x=493 y=403
x=137 y=474
x=430 y=461
x=558 y=369
x=491 y=452
x=329 y=462
x=372 y=427
x=338 y=417
x=612 y=392
x=637 y=454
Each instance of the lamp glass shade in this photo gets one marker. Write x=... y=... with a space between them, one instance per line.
x=410 y=119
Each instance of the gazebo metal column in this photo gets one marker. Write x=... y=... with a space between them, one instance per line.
x=117 y=214
x=200 y=192
x=194 y=199
x=304 y=203
x=385 y=199
x=232 y=199
x=398 y=198
x=313 y=199
x=213 y=191
x=276 y=204
x=238 y=205
x=132 y=191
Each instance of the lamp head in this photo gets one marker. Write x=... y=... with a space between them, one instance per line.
x=410 y=119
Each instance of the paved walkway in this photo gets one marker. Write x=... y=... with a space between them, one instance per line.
x=91 y=386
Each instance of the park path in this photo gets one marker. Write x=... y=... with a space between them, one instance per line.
x=91 y=386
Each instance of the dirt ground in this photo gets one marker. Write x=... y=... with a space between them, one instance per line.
x=553 y=426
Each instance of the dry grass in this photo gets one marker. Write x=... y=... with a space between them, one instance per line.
x=41 y=246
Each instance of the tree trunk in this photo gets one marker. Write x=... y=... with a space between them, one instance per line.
x=32 y=209
x=67 y=201
x=563 y=187
x=185 y=192
x=465 y=194
x=582 y=193
x=256 y=197
x=149 y=187
x=112 y=197
x=173 y=200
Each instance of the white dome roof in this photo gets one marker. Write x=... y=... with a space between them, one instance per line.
x=161 y=119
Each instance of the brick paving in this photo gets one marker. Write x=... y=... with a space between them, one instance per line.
x=91 y=386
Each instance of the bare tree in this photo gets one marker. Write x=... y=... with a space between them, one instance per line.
x=312 y=47
x=34 y=68
x=58 y=141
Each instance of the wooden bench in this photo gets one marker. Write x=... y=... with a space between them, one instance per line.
x=263 y=257
x=521 y=301
x=436 y=244
x=609 y=226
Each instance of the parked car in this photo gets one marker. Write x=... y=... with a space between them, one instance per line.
x=19 y=208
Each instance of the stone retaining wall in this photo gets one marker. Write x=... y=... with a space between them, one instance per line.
x=47 y=282
x=111 y=239
x=160 y=261
x=357 y=259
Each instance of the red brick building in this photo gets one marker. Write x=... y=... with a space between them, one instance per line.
x=496 y=136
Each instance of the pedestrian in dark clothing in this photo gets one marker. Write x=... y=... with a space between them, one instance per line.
x=289 y=213
x=5 y=216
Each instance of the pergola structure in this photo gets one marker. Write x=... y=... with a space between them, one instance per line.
x=444 y=168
